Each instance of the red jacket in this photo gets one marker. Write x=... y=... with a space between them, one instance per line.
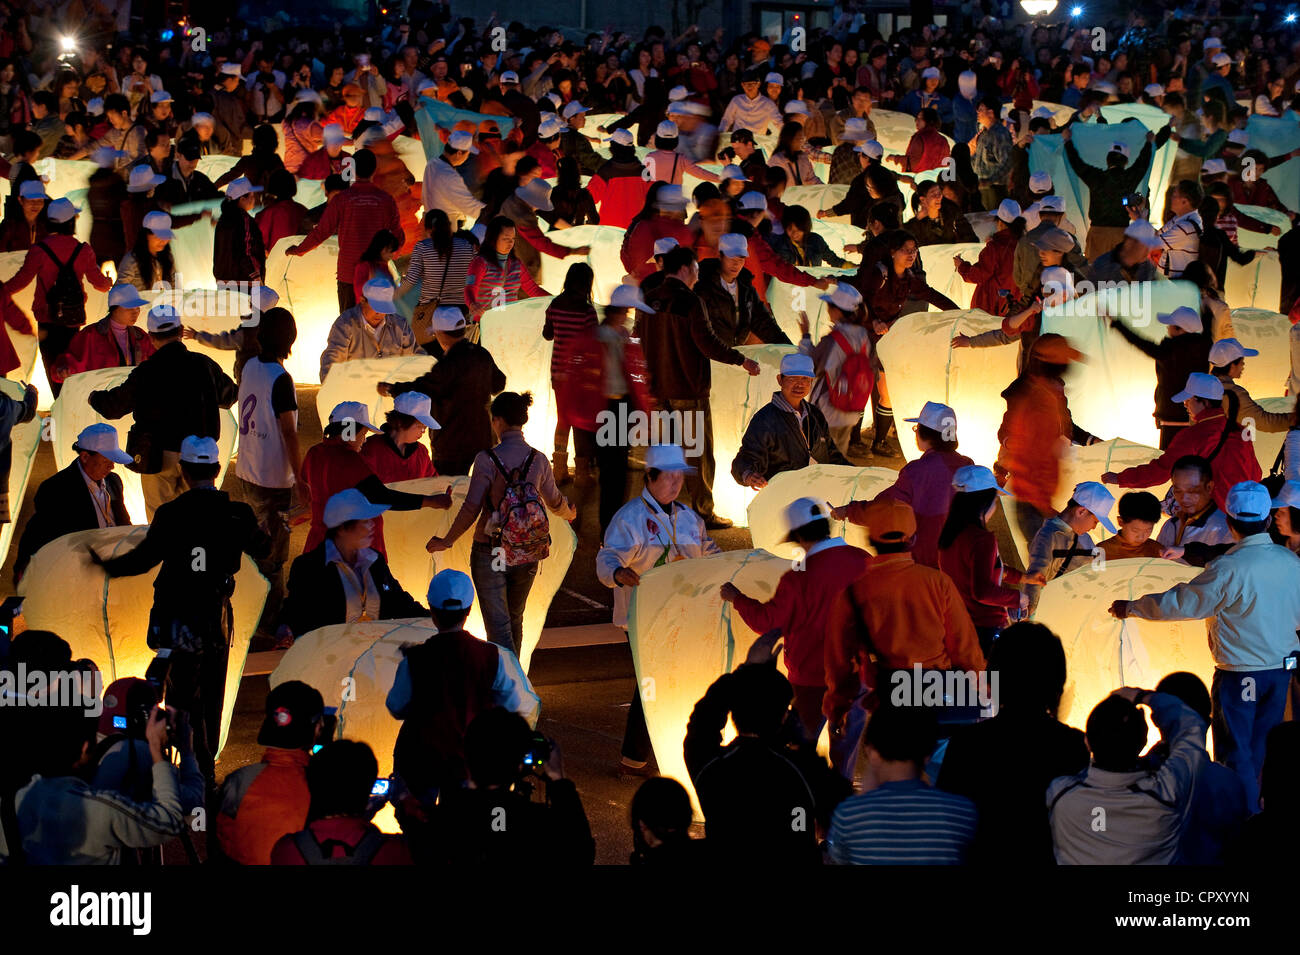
x=385 y=460
x=95 y=346
x=328 y=468
x=39 y=266
x=546 y=161
x=261 y=803
x=1235 y=462
x=280 y=220
x=320 y=164
x=355 y=214
x=927 y=149
x=801 y=607
x=983 y=582
x=349 y=117
x=13 y=317
x=763 y=263
x=618 y=189
x=580 y=382
x=639 y=243
x=925 y=485
x=993 y=271
x=341 y=834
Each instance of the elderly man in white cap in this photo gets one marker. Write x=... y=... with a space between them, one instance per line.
x=191 y=613
x=173 y=393
x=1212 y=435
x=1250 y=598
x=441 y=685
x=83 y=496
x=460 y=386
x=1108 y=188
x=444 y=187
x=531 y=242
x=1183 y=351
x=370 y=329
x=788 y=433
x=112 y=342
x=650 y=530
x=59 y=308
x=801 y=605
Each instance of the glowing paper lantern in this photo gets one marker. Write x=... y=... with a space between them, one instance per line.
x=72 y=412
x=24 y=440
x=606 y=242
x=1269 y=333
x=1249 y=239
x=683 y=637
x=1257 y=283
x=833 y=483
x=107 y=620
x=356 y=380
x=1102 y=653
x=308 y=287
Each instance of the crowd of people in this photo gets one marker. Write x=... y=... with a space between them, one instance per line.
x=517 y=161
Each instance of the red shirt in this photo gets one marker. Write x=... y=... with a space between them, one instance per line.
x=328 y=468
x=95 y=346
x=926 y=486
x=381 y=454
x=801 y=606
x=1235 y=462
x=983 y=582
x=927 y=149
x=279 y=221
x=320 y=164
x=639 y=243
x=39 y=266
x=355 y=214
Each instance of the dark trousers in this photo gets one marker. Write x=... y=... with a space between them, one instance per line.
x=54 y=342
x=1243 y=712
x=636 y=738
x=611 y=459
x=700 y=484
x=347 y=295
x=808 y=704
x=271 y=508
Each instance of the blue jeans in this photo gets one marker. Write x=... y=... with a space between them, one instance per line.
x=1240 y=726
x=502 y=596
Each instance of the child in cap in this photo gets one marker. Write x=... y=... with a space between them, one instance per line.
x=1139 y=513
x=1063 y=542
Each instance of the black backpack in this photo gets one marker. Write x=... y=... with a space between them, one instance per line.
x=65 y=301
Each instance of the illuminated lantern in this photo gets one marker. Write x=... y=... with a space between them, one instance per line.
x=107 y=619
x=24 y=440
x=72 y=413
x=356 y=380
x=683 y=637
x=1269 y=333
x=1256 y=284
x=308 y=288
x=606 y=242
x=1103 y=653
x=833 y=483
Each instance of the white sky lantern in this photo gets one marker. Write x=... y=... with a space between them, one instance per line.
x=606 y=243
x=683 y=637
x=833 y=483
x=25 y=439
x=308 y=287
x=1103 y=653
x=72 y=412
x=356 y=380
x=107 y=620
x=512 y=334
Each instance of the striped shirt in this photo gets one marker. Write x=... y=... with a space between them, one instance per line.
x=566 y=317
x=902 y=823
x=493 y=284
x=427 y=268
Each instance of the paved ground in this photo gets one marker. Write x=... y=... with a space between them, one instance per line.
x=585 y=691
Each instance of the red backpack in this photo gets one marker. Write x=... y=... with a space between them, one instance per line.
x=851 y=390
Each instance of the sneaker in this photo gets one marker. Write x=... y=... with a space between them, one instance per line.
x=883 y=449
x=626 y=768
x=715 y=523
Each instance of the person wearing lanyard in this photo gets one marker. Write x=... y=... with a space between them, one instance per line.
x=115 y=341
x=649 y=531
x=343 y=579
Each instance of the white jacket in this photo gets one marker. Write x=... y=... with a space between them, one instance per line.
x=1100 y=817
x=756 y=115
x=445 y=189
x=642 y=535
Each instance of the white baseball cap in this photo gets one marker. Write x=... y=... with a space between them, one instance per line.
x=1120 y=148
x=1096 y=500
x=230 y=69
x=32 y=189
x=238 y=188
x=1144 y=232
x=1227 y=350
x=573 y=108
x=509 y=76
x=1042 y=112
x=732 y=171
x=61 y=210
x=798 y=365
x=1058 y=283
x=451 y=590
x=1213 y=167
x=102 y=439
x=537 y=194
x=196 y=450
x=1212 y=43
x=671 y=196
x=124 y=295
x=163 y=318
x=1040 y=183
x=1248 y=501
x=447 y=318
x=1051 y=204
x=803 y=512
x=418 y=406
x=678 y=93
x=930 y=73
x=666 y=457
x=843 y=296
x=667 y=130
x=1188 y=319
x=1009 y=211
x=160 y=224
x=936 y=416
x=461 y=141
x=106 y=156
x=202 y=119
x=306 y=96
x=855 y=130
x=622 y=137
x=160 y=96
x=797 y=106
x=1288 y=495
x=333 y=134
x=378 y=293
x=1153 y=90
x=871 y=149
x=352 y=411
x=373 y=114
x=630 y=296
x=975 y=477
x=95 y=106
x=753 y=201
x=776 y=78
x=143 y=178
x=1200 y=385
x=1220 y=60
x=350 y=505
x=549 y=126
x=665 y=245
x=677 y=109
x=734 y=246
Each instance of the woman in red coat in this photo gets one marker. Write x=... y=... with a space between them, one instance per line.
x=397 y=454
x=662 y=217
x=602 y=389
x=618 y=188
x=994 y=270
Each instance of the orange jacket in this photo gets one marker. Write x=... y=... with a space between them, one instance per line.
x=912 y=614
x=261 y=803
x=1036 y=424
